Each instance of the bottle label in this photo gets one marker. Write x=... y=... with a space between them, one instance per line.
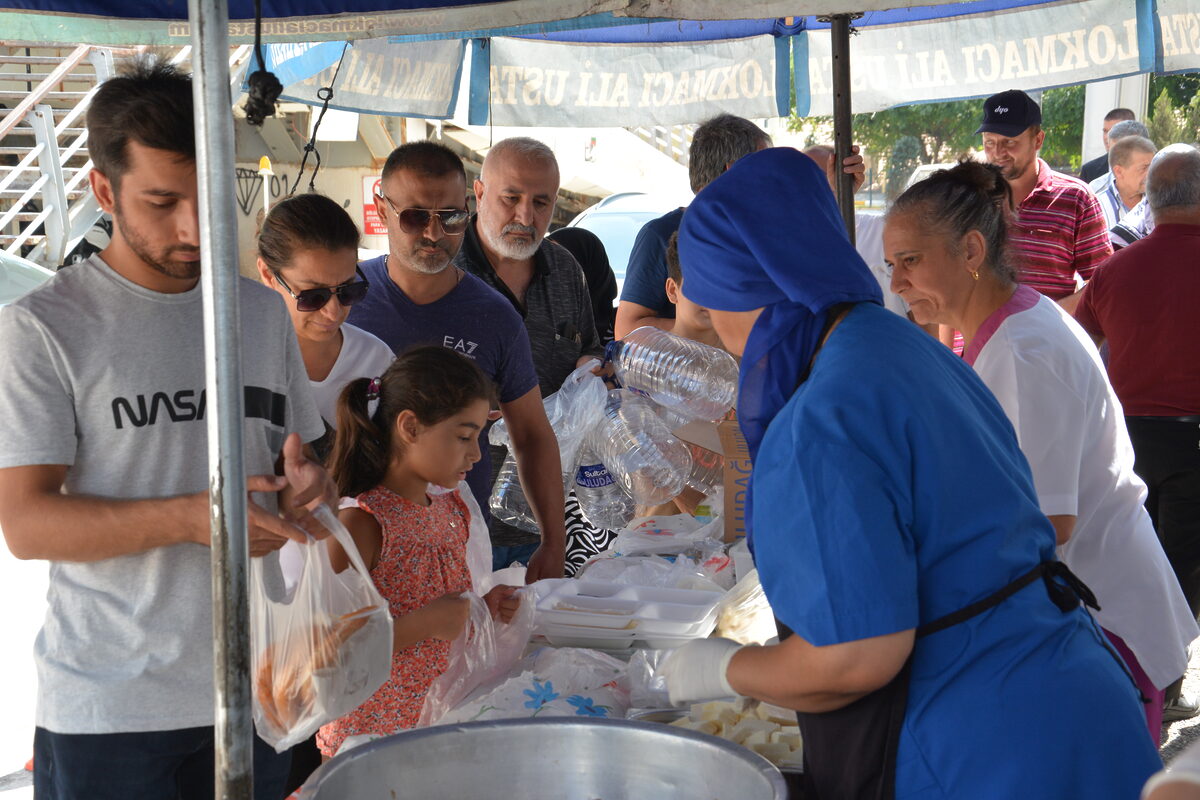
x=595 y=476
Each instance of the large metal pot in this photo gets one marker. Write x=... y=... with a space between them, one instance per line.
x=547 y=759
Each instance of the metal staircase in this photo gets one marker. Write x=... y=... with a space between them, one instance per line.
x=46 y=205
x=674 y=141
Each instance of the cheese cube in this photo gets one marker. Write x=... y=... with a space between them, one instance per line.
x=747 y=726
x=776 y=714
x=772 y=752
x=794 y=760
x=706 y=711
x=757 y=737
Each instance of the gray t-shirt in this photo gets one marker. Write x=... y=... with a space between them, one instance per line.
x=107 y=377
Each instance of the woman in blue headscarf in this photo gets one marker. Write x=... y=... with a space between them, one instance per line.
x=940 y=650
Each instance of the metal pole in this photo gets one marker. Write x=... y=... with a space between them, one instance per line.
x=842 y=132
x=234 y=729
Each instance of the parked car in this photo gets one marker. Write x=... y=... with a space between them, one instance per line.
x=18 y=276
x=617 y=219
x=925 y=170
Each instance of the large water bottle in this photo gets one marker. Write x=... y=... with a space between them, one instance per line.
x=708 y=468
x=508 y=503
x=697 y=380
x=602 y=500
x=639 y=450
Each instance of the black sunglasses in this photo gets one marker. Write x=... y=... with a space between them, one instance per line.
x=415 y=220
x=315 y=299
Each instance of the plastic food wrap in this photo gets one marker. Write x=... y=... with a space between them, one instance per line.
x=744 y=614
x=322 y=650
x=485 y=652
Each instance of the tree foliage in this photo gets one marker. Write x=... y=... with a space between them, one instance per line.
x=1062 y=120
x=1171 y=121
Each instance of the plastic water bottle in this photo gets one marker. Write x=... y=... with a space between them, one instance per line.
x=639 y=450
x=602 y=500
x=708 y=468
x=697 y=380
x=508 y=503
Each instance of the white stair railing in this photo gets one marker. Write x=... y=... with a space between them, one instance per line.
x=68 y=208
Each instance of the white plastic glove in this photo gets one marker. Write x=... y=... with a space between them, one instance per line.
x=696 y=672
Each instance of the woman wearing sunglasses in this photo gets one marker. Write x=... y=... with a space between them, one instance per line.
x=308 y=252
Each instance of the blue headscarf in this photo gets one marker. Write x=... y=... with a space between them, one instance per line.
x=767 y=234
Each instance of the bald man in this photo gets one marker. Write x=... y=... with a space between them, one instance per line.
x=505 y=246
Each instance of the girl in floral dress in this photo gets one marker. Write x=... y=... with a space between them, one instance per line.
x=416 y=425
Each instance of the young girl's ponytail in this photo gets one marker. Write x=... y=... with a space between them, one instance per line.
x=362 y=446
x=432 y=382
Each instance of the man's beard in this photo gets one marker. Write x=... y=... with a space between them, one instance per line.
x=508 y=249
x=161 y=261
x=434 y=264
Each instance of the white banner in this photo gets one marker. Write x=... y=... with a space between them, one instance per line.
x=1179 y=21
x=528 y=83
x=978 y=55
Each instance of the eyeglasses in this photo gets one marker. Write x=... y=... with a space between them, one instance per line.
x=415 y=220
x=315 y=299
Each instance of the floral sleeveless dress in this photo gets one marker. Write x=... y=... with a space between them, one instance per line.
x=424 y=556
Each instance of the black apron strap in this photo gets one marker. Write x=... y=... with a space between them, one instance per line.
x=1066 y=595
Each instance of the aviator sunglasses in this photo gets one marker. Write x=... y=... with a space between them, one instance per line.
x=315 y=299
x=415 y=220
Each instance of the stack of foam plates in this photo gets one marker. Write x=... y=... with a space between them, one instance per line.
x=612 y=616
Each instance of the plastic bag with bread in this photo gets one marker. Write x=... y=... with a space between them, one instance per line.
x=320 y=651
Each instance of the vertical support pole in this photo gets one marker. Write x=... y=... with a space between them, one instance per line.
x=843 y=137
x=54 y=190
x=223 y=370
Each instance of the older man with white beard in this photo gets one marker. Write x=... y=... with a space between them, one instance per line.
x=505 y=245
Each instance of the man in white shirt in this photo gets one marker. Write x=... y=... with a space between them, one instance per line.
x=1129 y=159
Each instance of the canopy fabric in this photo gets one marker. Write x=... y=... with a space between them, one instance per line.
x=118 y=22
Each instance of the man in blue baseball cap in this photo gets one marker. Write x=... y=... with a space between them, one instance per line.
x=1059 y=231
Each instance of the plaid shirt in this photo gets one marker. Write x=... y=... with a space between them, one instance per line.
x=1059 y=231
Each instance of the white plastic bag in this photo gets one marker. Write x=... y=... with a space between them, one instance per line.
x=572 y=412
x=485 y=651
x=479 y=540
x=323 y=649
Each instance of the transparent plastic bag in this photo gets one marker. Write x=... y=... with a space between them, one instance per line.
x=744 y=615
x=485 y=652
x=682 y=573
x=572 y=412
x=647 y=688
x=322 y=650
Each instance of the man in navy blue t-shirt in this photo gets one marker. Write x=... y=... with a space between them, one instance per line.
x=418 y=297
x=716 y=144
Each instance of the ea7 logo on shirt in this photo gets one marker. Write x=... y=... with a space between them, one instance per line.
x=188 y=406
x=461 y=345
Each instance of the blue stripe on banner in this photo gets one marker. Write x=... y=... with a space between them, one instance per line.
x=481 y=82
x=1149 y=37
x=799 y=71
x=783 y=75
